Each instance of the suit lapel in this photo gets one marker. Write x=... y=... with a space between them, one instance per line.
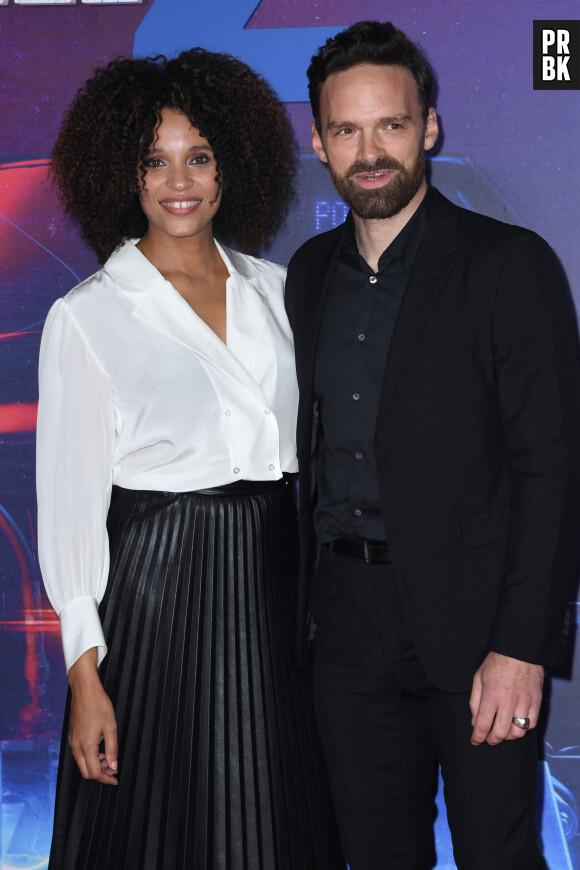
x=316 y=281
x=320 y=277
x=436 y=257
x=310 y=290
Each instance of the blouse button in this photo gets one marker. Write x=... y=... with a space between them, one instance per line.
x=267 y=411
x=271 y=467
x=356 y=396
x=372 y=279
x=228 y=413
x=236 y=470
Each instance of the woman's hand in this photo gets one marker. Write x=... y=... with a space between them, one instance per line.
x=92 y=721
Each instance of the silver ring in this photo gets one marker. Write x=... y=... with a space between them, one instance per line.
x=521 y=721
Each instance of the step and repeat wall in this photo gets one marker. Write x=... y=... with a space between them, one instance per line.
x=506 y=149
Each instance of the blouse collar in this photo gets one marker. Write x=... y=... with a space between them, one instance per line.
x=156 y=301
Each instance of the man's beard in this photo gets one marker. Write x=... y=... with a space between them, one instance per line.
x=386 y=201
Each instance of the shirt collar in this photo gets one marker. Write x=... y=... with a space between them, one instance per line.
x=402 y=250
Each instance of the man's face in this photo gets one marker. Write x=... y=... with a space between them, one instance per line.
x=374 y=139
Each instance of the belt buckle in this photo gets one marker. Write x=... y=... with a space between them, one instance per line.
x=375 y=552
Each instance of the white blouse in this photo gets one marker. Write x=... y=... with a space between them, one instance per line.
x=136 y=390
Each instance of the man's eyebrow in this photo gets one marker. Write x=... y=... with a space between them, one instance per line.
x=393 y=119
x=333 y=125
x=386 y=119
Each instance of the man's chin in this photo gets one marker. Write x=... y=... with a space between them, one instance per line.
x=379 y=208
x=373 y=214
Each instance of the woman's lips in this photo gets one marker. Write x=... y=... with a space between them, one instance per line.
x=180 y=206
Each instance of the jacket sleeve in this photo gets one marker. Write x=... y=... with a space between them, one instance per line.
x=75 y=442
x=538 y=388
x=289 y=292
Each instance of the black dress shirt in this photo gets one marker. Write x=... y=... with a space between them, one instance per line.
x=359 y=317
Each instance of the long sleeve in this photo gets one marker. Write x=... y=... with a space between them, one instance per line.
x=539 y=396
x=75 y=443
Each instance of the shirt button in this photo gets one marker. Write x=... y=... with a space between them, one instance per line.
x=357 y=512
x=356 y=396
x=267 y=411
x=372 y=279
x=271 y=467
x=361 y=336
x=236 y=470
x=358 y=455
x=228 y=413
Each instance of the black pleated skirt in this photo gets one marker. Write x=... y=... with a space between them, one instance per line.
x=219 y=762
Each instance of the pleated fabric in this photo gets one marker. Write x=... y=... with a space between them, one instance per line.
x=219 y=760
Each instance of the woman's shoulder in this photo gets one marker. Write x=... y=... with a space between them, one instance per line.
x=84 y=300
x=73 y=302
x=101 y=288
x=89 y=307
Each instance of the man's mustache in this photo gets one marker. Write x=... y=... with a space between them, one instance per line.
x=381 y=164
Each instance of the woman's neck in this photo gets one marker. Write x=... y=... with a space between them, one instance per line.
x=188 y=256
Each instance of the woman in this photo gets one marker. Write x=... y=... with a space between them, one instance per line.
x=165 y=435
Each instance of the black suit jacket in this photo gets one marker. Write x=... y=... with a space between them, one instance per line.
x=477 y=441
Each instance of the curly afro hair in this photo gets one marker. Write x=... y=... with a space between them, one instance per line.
x=98 y=160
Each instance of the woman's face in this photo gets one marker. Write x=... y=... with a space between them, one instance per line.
x=181 y=194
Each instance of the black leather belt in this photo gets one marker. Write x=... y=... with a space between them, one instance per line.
x=367 y=551
x=246 y=487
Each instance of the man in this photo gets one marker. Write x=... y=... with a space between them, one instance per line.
x=438 y=440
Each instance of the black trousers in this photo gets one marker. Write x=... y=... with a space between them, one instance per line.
x=384 y=729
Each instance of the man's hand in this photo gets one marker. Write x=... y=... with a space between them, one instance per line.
x=504 y=688
x=92 y=720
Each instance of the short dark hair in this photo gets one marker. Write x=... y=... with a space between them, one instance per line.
x=375 y=42
x=98 y=160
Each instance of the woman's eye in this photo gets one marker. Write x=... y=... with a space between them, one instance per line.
x=195 y=160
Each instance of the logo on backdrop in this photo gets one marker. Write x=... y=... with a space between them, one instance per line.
x=281 y=54
x=556 y=55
